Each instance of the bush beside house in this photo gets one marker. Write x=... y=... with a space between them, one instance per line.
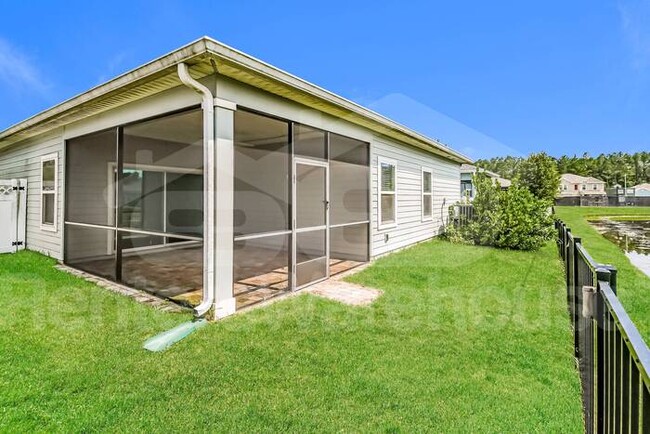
x=511 y=219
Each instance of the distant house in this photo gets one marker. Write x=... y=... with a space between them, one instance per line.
x=581 y=190
x=642 y=190
x=638 y=195
x=575 y=185
x=467 y=171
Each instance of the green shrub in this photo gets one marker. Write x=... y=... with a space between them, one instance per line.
x=539 y=174
x=510 y=219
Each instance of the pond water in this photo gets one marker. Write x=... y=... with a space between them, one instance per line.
x=632 y=236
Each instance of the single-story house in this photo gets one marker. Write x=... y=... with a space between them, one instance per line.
x=212 y=178
x=467 y=171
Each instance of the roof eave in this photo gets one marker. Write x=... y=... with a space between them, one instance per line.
x=236 y=64
x=145 y=72
x=205 y=53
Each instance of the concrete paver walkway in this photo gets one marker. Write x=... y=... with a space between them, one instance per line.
x=344 y=292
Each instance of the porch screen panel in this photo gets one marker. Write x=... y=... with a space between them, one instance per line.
x=134 y=204
x=309 y=142
x=311 y=259
x=157 y=154
x=184 y=201
x=174 y=270
x=311 y=187
x=349 y=180
x=261 y=174
x=349 y=243
x=261 y=203
x=160 y=205
x=91 y=249
x=90 y=184
x=261 y=261
x=349 y=198
x=90 y=200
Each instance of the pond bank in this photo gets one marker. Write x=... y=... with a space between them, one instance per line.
x=633 y=284
x=630 y=235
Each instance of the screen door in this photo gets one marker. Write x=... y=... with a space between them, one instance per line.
x=311 y=221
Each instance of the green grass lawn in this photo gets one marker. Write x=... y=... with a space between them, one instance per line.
x=633 y=285
x=463 y=339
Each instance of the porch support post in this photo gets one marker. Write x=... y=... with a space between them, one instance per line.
x=224 y=202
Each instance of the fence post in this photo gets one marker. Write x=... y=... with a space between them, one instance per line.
x=612 y=277
x=577 y=286
x=566 y=241
x=603 y=274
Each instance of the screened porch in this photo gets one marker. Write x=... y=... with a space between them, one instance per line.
x=134 y=207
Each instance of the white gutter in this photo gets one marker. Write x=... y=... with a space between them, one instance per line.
x=207 y=300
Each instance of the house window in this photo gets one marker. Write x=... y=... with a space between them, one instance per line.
x=466 y=189
x=387 y=200
x=595 y=187
x=584 y=186
x=49 y=192
x=427 y=194
x=575 y=187
x=564 y=187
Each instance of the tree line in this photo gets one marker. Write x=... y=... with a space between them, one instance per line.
x=612 y=168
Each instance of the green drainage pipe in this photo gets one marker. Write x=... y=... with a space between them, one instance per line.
x=166 y=339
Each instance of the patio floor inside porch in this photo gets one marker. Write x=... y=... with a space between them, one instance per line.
x=176 y=274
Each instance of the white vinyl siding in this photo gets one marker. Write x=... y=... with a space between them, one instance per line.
x=24 y=161
x=409 y=162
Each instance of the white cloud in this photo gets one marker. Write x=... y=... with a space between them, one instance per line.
x=18 y=72
x=635 y=23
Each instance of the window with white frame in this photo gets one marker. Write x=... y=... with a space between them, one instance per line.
x=427 y=194
x=49 y=190
x=387 y=196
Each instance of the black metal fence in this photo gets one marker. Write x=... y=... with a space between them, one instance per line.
x=613 y=359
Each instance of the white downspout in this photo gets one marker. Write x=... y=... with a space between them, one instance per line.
x=207 y=300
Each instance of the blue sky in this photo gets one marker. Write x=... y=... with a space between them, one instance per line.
x=487 y=78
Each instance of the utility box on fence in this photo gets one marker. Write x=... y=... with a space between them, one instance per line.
x=13 y=214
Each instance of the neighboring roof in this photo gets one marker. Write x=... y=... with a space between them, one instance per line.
x=467 y=168
x=645 y=186
x=470 y=168
x=577 y=179
x=205 y=57
x=503 y=182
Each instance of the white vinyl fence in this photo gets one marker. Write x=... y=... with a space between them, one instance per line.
x=13 y=207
